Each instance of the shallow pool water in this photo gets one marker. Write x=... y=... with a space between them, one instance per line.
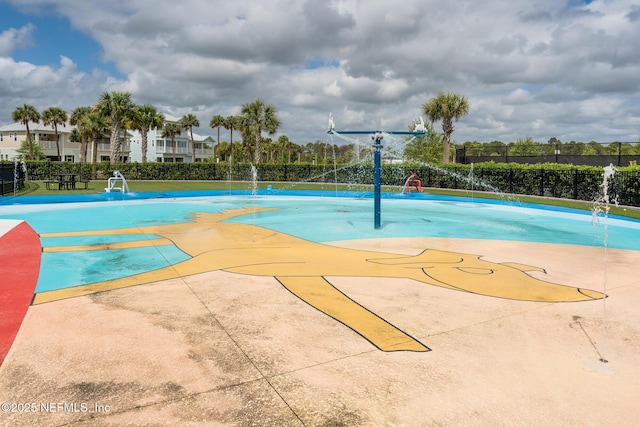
x=315 y=218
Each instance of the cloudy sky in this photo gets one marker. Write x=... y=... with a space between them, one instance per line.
x=542 y=68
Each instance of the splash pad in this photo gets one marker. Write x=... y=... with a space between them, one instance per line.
x=119 y=278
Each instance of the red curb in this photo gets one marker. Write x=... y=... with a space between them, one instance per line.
x=20 y=253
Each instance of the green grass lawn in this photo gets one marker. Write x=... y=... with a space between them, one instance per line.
x=38 y=188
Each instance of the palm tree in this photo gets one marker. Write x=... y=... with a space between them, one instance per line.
x=188 y=121
x=170 y=130
x=259 y=117
x=146 y=117
x=217 y=121
x=223 y=149
x=25 y=114
x=231 y=123
x=115 y=106
x=446 y=106
x=272 y=149
x=97 y=127
x=75 y=120
x=243 y=150
x=283 y=144
x=92 y=127
x=55 y=116
x=128 y=122
x=74 y=136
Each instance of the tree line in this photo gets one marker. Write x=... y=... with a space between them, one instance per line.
x=115 y=113
x=528 y=147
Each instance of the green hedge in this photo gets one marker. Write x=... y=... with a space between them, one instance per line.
x=552 y=180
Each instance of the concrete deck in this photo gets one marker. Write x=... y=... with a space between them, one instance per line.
x=221 y=348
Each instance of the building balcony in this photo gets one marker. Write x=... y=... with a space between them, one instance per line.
x=47 y=145
x=169 y=150
x=107 y=147
x=203 y=151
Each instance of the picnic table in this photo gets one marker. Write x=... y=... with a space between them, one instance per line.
x=66 y=180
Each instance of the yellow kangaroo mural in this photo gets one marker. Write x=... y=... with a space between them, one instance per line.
x=302 y=267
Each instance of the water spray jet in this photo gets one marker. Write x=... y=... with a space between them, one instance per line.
x=377 y=137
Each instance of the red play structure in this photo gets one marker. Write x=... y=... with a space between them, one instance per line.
x=412 y=182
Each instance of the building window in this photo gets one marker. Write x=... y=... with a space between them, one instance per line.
x=1 y=136
x=15 y=136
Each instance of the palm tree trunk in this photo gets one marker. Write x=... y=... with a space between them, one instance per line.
x=29 y=141
x=193 y=147
x=218 y=144
x=114 y=142
x=257 y=155
x=94 y=151
x=231 y=145
x=123 y=145
x=447 y=130
x=144 y=143
x=55 y=127
x=83 y=150
x=94 y=156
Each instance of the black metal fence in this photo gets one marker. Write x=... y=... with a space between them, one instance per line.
x=578 y=183
x=566 y=159
x=592 y=154
x=11 y=177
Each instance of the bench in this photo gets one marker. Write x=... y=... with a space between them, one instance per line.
x=48 y=183
x=83 y=181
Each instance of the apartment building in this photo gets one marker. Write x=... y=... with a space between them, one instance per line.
x=13 y=135
x=159 y=149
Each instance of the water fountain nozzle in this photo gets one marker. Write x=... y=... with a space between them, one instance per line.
x=331 y=126
x=419 y=126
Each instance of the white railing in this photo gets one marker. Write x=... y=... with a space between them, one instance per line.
x=113 y=181
x=51 y=145
x=47 y=145
x=105 y=146
x=169 y=150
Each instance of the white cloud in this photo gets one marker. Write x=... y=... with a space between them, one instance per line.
x=332 y=89
x=350 y=117
x=537 y=69
x=12 y=38
x=518 y=96
x=601 y=107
